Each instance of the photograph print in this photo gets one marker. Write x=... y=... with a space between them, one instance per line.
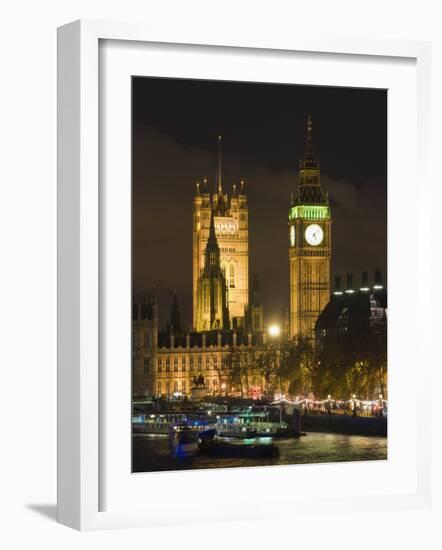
x=259 y=274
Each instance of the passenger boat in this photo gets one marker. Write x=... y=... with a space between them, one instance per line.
x=155 y=423
x=251 y=424
x=255 y=447
x=160 y=423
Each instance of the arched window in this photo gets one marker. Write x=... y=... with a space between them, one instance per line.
x=232 y=276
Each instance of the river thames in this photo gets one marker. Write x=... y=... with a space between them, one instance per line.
x=151 y=452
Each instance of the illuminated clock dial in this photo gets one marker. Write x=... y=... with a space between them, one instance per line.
x=314 y=234
x=292 y=235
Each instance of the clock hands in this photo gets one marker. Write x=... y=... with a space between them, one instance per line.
x=314 y=234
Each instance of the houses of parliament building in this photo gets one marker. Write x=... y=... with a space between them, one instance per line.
x=227 y=313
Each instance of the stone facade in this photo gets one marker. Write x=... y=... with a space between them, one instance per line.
x=181 y=360
x=230 y=217
x=168 y=363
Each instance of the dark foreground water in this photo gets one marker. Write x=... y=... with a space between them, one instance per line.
x=151 y=453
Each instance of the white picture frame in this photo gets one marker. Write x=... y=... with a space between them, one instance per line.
x=79 y=323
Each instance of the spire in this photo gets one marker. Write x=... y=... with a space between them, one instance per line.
x=212 y=241
x=309 y=189
x=256 y=292
x=220 y=201
x=219 y=170
x=212 y=252
x=175 y=316
x=309 y=158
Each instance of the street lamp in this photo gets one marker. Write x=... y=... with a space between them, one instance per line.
x=274 y=331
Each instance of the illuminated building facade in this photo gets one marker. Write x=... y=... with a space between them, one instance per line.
x=227 y=318
x=180 y=360
x=309 y=246
x=167 y=363
x=230 y=219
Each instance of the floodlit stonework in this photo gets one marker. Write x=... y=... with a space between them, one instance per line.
x=309 y=246
x=230 y=217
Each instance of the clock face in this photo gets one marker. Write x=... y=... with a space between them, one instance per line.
x=292 y=235
x=314 y=234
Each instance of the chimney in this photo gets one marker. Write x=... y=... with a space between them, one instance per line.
x=377 y=277
x=349 y=281
x=364 y=279
x=338 y=283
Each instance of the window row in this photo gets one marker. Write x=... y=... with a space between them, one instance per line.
x=180 y=363
x=183 y=386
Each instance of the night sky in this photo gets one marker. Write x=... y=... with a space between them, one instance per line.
x=176 y=124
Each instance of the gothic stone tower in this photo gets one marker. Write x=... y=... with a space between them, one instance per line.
x=212 y=312
x=145 y=338
x=232 y=233
x=309 y=246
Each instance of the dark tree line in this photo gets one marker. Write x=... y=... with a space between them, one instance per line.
x=299 y=367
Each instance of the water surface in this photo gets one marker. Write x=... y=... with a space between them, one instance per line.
x=151 y=453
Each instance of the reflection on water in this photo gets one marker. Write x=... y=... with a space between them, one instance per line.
x=151 y=453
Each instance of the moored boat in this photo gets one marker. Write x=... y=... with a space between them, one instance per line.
x=183 y=440
x=251 y=424
x=256 y=447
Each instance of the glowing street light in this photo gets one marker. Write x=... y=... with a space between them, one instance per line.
x=274 y=331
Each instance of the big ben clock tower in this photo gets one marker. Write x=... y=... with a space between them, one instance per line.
x=309 y=246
